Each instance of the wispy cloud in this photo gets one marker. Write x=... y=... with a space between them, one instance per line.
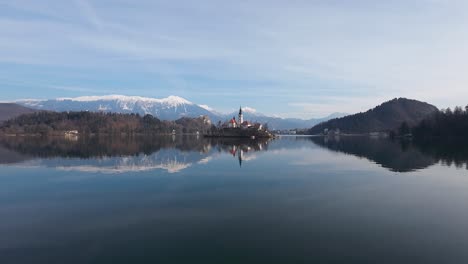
x=79 y=89
x=305 y=51
x=330 y=104
x=89 y=13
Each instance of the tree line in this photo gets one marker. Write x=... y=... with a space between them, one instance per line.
x=84 y=122
x=444 y=124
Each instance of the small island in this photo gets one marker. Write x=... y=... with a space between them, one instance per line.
x=239 y=129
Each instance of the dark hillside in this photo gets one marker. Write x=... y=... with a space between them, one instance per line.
x=385 y=117
x=10 y=110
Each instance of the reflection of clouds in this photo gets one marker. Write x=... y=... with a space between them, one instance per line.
x=205 y=160
x=338 y=160
x=171 y=167
x=172 y=162
x=131 y=164
x=283 y=151
x=131 y=158
x=212 y=156
x=248 y=157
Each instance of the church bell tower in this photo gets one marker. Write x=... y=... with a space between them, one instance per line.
x=241 y=116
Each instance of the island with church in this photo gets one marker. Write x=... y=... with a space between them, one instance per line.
x=239 y=128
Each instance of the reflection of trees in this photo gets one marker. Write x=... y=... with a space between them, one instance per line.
x=404 y=155
x=166 y=150
x=180 y=151
x=396 y=156
x=447 y=151
x=108 y=154
x=100 y=146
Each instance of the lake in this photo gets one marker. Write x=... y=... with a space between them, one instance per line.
x=194 y=200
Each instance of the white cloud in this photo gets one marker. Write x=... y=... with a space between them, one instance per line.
x=249 y=109
x=312 y=50
x=331 y=104
x=206 y=107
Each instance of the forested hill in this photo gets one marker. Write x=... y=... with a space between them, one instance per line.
x=445 y=125
x=385 y=117
x=10 y=110
x=45 y=123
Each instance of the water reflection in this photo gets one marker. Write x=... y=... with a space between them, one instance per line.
x=120 y=155
x=397 y=155
x=299 y=200
x=177 y=153
x=243 y=149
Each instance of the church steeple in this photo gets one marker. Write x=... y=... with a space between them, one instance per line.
x=241 y=116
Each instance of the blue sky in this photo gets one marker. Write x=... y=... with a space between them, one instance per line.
x=287 y=58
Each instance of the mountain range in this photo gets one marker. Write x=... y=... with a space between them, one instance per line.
x=170 y=108
x=10 y=110
x=386 y=117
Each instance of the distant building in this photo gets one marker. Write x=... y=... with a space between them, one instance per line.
x=258 y=126
x=71 y=132
x=246 y=124
x=71 y=135
x=206 y=119
x=232 y=122
x=332 y=132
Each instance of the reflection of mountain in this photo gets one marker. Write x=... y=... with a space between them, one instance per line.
x=8 y=156
x=169 y=160
x=174 y=154
x=119 y=155
x=395 y=156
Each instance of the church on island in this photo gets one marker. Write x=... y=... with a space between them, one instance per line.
x=239 y=128
x=240 y=123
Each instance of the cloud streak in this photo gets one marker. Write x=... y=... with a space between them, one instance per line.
x=310 y=57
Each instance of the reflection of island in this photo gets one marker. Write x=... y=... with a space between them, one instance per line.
x=242 y=148
x=396 y=156
x=176 y=153
x=118 y=155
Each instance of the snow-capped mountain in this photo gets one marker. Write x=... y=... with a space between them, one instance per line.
x=170 y=108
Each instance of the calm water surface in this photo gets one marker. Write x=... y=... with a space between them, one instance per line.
x=193 y=200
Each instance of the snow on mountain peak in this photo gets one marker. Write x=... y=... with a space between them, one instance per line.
x=169 y=108
x=170 y=101
x=175 y=100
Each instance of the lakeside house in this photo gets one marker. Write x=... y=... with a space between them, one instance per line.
x=71 y=133
x=331 y=132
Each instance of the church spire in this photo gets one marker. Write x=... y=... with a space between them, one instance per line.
x=241 y=116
